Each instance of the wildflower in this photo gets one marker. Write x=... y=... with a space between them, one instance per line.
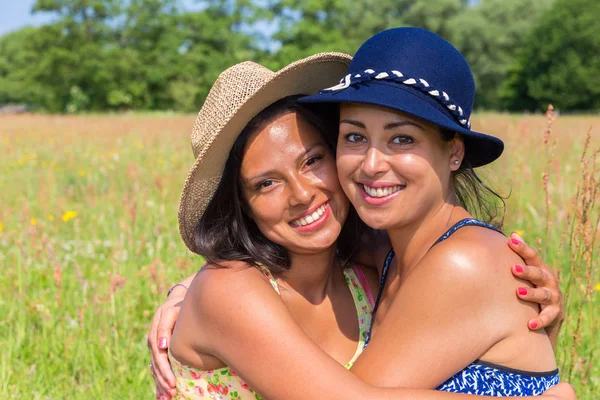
x=519 y=232
x=597 y=285
x=50 y=217
x=1 y=227
x=33 y=221
x=69 y=215
x=81 y=172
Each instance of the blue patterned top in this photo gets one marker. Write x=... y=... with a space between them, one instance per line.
x=480 y=377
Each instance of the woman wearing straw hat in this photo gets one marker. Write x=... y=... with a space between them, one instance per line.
x=231 y=316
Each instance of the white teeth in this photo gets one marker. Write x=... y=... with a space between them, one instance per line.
x=381 y=192
x=312 y=217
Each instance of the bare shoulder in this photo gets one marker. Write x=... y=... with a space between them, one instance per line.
x=471 y=254
x=227 y=283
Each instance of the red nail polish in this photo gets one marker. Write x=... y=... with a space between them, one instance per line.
x=522 y=291
x=533 y=325
x=162 y=343
x=514 y=241
x=518 y=268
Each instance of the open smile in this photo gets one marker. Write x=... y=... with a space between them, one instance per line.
x=379 y=194
x=313 y=219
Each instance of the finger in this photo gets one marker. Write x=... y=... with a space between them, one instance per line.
x=165 y=326
x=536 y=275
x=544 y=319
x=543 y=296
x=162 y=386
x=151 y=339
x=527 y=253
x=164 y=371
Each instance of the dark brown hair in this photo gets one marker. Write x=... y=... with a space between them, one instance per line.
x=473 y=194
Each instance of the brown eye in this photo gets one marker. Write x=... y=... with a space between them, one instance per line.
x=355 y=138
x=264 y=184
x=313 y=160
x=403 y=139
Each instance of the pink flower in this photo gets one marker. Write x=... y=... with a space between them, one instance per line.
x=245 y=386
x=196 y=375
x=212 y=388
x=223 y=389
x=199 y=390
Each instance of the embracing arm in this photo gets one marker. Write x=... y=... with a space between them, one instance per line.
x=247 y=326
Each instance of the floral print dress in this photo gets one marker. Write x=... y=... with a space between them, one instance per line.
x=225 y=384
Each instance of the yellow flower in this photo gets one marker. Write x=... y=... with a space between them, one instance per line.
x=81 y=172
x=1 y=227
x=69 y=215
x=33 y=221
x=51 y=217
x=597 y=285
x=519 y=232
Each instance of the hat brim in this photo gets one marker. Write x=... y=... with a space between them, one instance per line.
x=303 y=77
x=480 y=148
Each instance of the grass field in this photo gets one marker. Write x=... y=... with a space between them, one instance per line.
x=89 y=242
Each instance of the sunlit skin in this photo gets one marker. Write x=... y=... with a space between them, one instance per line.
x=382 y=148
x=296 y=179
x=397 y=172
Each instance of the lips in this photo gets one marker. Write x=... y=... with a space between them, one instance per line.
x=310 y=218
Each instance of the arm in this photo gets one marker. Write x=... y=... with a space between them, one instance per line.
x=159 y=336
x=247 y=326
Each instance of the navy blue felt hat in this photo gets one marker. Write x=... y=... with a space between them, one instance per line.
x=415 y=71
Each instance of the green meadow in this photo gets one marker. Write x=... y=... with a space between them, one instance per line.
x=89 y=241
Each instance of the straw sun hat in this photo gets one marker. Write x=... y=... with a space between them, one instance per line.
x=239 y=94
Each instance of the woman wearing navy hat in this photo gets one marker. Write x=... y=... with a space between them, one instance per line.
x=405 y=158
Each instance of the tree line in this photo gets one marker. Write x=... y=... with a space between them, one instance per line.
x=102 y=55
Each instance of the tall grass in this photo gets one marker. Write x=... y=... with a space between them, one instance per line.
x=89 y=242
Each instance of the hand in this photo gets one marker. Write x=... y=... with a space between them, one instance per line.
x=546 y=291
x=159 y=336
x=562 y=391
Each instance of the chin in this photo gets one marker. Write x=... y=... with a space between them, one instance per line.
x=374 y=220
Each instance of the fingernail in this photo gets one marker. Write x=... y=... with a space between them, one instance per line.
x=518 y=236
x=533 y=324
x=514 y=241
x=522 y=291
x=162 y=343
x=518 y=268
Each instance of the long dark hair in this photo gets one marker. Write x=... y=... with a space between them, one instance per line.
x=227 y=233
x=473 y=194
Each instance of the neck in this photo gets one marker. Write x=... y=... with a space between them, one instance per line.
x=311 y=275
x=412 y=241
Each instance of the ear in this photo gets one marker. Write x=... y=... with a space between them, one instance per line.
x=457 y=152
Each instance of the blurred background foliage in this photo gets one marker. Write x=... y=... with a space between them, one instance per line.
x=115 y=55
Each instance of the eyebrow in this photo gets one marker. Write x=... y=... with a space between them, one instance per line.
x=391 y=125
x=269 y=172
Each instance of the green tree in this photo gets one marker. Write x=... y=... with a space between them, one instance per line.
x=488 y=35
x=559 y=62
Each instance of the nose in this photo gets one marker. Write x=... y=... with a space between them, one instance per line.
x=374 y=162
x=302 y=191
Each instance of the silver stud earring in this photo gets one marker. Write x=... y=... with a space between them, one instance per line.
x=455 y=162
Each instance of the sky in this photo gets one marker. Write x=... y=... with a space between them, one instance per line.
x=15 y=14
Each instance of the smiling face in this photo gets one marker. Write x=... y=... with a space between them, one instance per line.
x=394 y=168
x=289 y=181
